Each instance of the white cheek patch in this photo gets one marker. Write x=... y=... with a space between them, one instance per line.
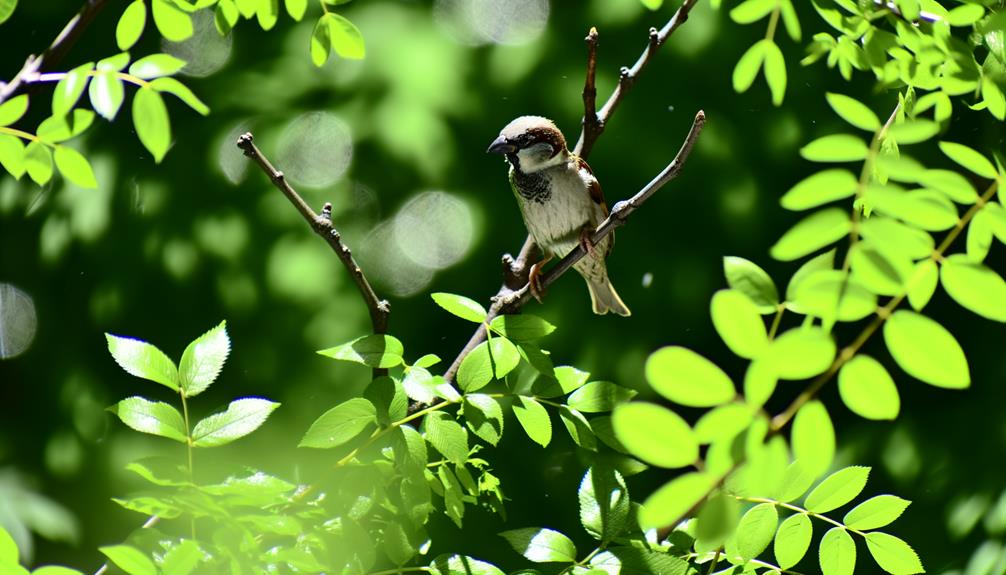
x=538 y=156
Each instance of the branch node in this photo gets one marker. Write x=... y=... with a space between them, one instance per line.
x=654 y=37
x=326 y=212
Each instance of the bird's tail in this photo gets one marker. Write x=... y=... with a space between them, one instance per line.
x=604 y=297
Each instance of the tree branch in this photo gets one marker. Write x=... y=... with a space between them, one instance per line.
x=595 y=122
x=322 y=225
x=35 y=65
x=516 y=269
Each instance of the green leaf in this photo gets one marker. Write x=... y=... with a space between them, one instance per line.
x=926 y=350
x=837 y=553
x=857 y=114
x=751 y=11
x=801 y=353
x=923 y=286
x=756 y=529
x=131 y=24
x=652 y=4
x=155 y=66
x=913 y=131
x=833 y=295
x=970 y=159
x=143 y=360
x=672 y=501
x=484 y=417
x=268 y=13
x=12 y=110
x=604 y=503
x=837 y=489
x=173 y=23
x=38 y=162
x=296 y=8
x=54 y=569
x=346 y=37
x=225 y=16
x=738 y=323
x=821 y=188
x=182 y=558
x=965 y=15
x=795 y=482
x=75 y=167
x=813 y=439
x=892 y=554
x=748 y=278
x=867 y=389
x=129 y=559
x=818 y=230
x=461 y=306
x=150 y=118
x=926 y=209
x=7 y=8
x=748 y=66
x=173 y=86
x=790 y=20
x=541 y=545
x=775 y=72
x=599 y=396
x=116 y=63
x=687 y=378
x=242 y=417
x=973 y=285
x=340 y=424
x=792 y=540
x=875 y=512
x=879 y=269
x=382 y=351
x=446 y=436
x=155 y=418
x=203 y=359
x=951 y=184
x=490 y=359
x=824 y=261
x=321 y=42
x=462 y=565
x=835 y=148
x=534 y=419
x=521 y=328
x=12 y=155
x=723 y=422
x=717 y=520
x=897 y=237
x=578 y=427
x=70 y=88
x=61 y=128
x=655 y=434
x=418 y=384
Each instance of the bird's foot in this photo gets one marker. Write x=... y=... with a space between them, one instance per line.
x=585 y=241
x=534 y=279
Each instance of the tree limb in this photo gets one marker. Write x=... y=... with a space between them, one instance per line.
x=516 y=269
x=35 y=65
x=322 y=225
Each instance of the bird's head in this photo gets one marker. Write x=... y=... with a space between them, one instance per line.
x=530 y=143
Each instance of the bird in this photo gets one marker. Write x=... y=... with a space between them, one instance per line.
x=561 y=203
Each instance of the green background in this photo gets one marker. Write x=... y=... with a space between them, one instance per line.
x=164 y=252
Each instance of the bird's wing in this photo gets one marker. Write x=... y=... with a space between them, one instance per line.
x=594 y=188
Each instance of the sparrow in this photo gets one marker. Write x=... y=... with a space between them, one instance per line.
x=561 y=202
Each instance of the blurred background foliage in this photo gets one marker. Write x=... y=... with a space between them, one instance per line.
x=396 y=142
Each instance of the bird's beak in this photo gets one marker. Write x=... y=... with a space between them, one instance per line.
x=501 y=146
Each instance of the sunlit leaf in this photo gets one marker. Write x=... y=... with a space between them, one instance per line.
x=379 y=350
x=296 y=8
x=173 y=86
x=820 y=229
x=775 y=72
x=461 y=306
x=867 y=389
x=756 y=530
x=926 y=350
x=70 y=88
x=521 y=328
x=131 y=24
x=837 y=489
x=38 y=162
x=143 y=360
x=792 y=540
x=813 y=439
x=340 y=424
x=150 y=118
x=599 y=396
x=12 y=156
x=821 y=188
x=484 y=417
x=854 y=112
x=969 y=159
x=346 y=37
x=674 y=499
x=801 y=353
x=875 y=512
x=446 y=436
x=738 y=323
x=155 y=418
x=129 y=559
x=75 y=167
x=541 y=545
x=751 y=280
x=7 y=8
x=892 y=554
x=242 y=417
x=534 y=419
x=837 y=552
x=835 y=148
x=155 y=66
x=655 y=434
x=687 y=378
x=12 y=110
x=974 y=286
x=748 y=65
x=173 y=23
x=203 y=359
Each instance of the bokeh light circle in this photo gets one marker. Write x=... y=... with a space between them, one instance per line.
x=434 y=229
x=206 y=51
x=475 y=22
x=315 y=149
x=18 y=321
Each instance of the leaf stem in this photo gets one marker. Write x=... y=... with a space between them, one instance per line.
x=773 y=22
x=799 y=509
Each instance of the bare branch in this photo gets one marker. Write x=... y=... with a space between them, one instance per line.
x=322 y=225
x=626 y=79
x=35 y=65
x=591 y=126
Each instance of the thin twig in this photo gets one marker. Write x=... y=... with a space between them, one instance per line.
x=516 y=269
x=322 y=225
x=627 y=78
x=34 y=65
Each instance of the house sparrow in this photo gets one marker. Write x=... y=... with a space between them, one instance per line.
x=561 y=202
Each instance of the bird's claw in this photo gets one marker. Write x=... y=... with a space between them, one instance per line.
x=585 y=241
x=534 y=281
